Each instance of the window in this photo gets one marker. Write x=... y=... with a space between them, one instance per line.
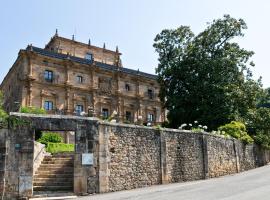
x=127 y=87
x=79 y=79
x=48 y=76
x=150 y=117
x=48 y=105
x=88 y=56
x=128 y=116
x=105 y=113
x=79 y=109
x=150 y=94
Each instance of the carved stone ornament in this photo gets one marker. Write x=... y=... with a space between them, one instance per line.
x=105 y=86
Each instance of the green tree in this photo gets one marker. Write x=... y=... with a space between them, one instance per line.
x=206 y=77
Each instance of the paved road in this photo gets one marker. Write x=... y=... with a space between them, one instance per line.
x=250 y=185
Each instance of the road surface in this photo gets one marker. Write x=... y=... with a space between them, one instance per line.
x=249 y=185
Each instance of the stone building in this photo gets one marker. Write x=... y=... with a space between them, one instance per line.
x=70 y=77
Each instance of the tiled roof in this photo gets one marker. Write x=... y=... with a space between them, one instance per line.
x=104 y=66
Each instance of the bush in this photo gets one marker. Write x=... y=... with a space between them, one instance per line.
x=59 y=147
x=50 y=137
x=237 y=130
x=32 y=110
x=263 y=140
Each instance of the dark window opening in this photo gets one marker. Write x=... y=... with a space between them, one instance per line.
x=79 y=109
x=88 y=56
x=150 y=94
x=48 y=76
x=150 y=117
x=105 y=113
x=127 y=87
x=79 y=79
x=128 y=116
x=48 y=105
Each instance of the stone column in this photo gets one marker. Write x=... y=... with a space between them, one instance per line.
x=163 y=158
x=103 y=159
x=205 y=156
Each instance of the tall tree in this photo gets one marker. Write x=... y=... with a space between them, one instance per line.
x=205 y=77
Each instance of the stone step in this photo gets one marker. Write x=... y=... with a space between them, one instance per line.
x=53 y=159
x=50 y=172
x=58 y=162
x=54 y=179
x=53 y=183
x=57 y=165
x=53 y=175
x=53 y=194
x=55 y=168
x=52 y=188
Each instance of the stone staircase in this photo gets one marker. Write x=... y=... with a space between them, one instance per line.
x=55 y=174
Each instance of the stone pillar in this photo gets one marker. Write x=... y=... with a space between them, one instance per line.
x=103 y=159
x=205 y=156
x=163 y=158
x=236 y=157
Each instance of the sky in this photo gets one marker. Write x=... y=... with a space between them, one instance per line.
x=130 y=24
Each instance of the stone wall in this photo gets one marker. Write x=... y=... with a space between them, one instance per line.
x=136 y=156
x=124 y=156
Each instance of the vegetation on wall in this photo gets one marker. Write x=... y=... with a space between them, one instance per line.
x=32 y=110
x=3 y=114
x=236 y=130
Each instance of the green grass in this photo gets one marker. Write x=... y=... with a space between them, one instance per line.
x=59 y=147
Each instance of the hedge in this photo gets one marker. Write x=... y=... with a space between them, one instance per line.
x=59 y=147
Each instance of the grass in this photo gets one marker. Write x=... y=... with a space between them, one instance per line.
x=59 y=147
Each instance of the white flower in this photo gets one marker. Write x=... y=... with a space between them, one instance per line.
x=195 y=122
x=190 y=124
x=205 y=127
x=200 y=126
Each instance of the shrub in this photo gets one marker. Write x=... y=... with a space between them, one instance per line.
x=59 y=147
x=50 y=137
x=236 y=130
x=263 y=140
x=32 y=110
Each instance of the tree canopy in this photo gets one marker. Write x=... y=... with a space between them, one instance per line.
x=206 y=77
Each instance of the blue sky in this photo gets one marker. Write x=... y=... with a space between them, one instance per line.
x=130 y=24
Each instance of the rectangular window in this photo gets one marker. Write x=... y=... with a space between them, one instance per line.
x=150 y=117
x=79 y=79
x=127 y=87
x=88 y=56
x=48 y=105
x=150 y=94
x=79 y=109
x=105 y=113
x=48 y=76
x=128 y=116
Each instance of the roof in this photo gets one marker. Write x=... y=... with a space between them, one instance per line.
x=101 y=65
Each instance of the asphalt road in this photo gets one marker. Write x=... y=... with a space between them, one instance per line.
x=249 y=185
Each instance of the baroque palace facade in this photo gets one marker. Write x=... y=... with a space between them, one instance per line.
x=70 y=77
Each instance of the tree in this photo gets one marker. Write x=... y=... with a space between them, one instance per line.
x=205 y=77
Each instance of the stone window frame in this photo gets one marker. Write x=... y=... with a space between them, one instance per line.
x=79 y=79
x=127 y=87
x=48 y=75
x=150 y=93
x=131 y=117
x=81 y=108
x=50 y=105
x=88 y=56
x=103 y=112
x=150 y=117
